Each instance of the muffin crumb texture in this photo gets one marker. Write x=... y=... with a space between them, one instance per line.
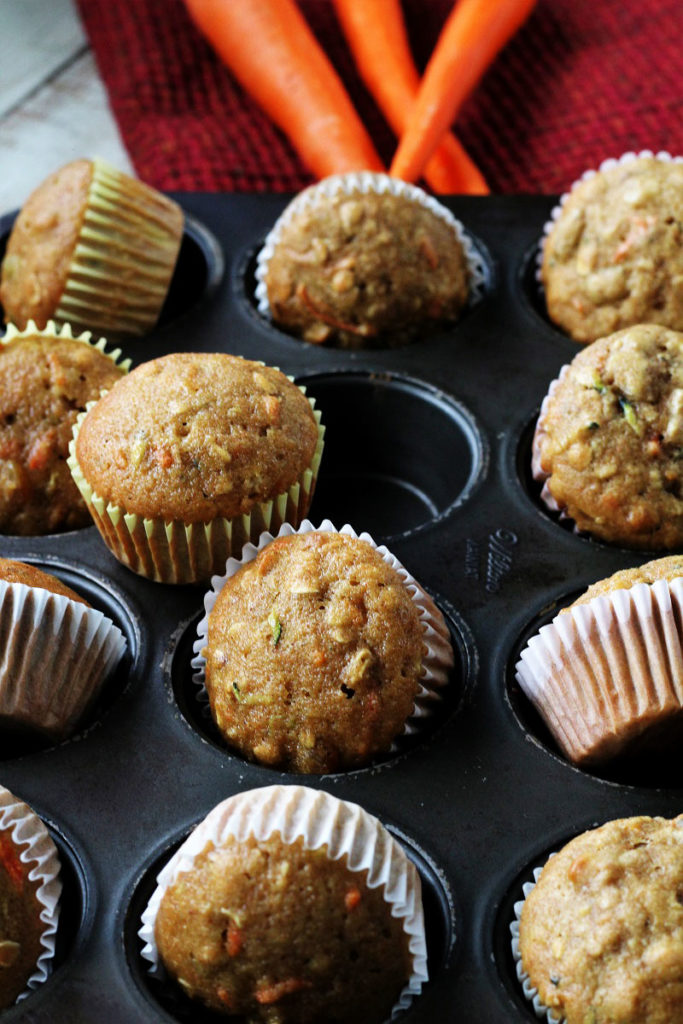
x=20 y=924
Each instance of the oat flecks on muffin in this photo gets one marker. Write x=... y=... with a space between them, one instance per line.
x=609 y=440
x=669 y=568
x=277 y=932
x=20 y=572
x=368 y=267
x=314 y=654
x=614 y=256
x=601 y=933
x=46 y=379
x=195 y=436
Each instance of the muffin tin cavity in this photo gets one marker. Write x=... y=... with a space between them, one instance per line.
x=532 y=292
x=399 y=453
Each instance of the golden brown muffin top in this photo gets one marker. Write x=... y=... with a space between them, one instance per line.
x=314 y=654
x=609 y=441
x=276 y=932
x=20 y=924
x=41 y=244
x=614 y=256
x=601 y=933
x=193 y=436
x=659 y=569
x=20 y=572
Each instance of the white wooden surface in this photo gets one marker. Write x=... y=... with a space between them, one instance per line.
x=53 y=106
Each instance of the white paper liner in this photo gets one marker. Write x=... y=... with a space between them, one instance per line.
x=538 y=473
x=603 y=672
x=29 y=832
x=530 y=991
x=321 y=820
x=54 y=330
x=436 y=662
x=364 y=182
x=55 y=655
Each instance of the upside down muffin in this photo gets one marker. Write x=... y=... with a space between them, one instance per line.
x=608 y=444
x=614 y=255
x=601 y=932
x=314 y=654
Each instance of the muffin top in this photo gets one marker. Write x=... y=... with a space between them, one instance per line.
x=277 y=932
x=41 y=244
x=193 y=436
x=20 y=572
x=364 y=268
x=45 y=381
x=20 y=924
x=601 y=933
x=609 y=441
x=614 y=256
x=668 y=569
x=314 y=654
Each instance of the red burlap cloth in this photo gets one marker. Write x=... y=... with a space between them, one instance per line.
x=581 y=81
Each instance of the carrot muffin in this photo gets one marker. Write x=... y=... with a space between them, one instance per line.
x=614 y=255
x=46 y=378
x=607 y=674
x=29 y=895
x=601 y=932
x=364 y=261
x=94 y=248
x=609 y=440
x=290 y=905
x=314 y=654
x=200 y=452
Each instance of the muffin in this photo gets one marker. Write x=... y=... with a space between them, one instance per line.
x=46 y=377
x=286 y=904
x=609 y=439
x=364 y=260
x=190 y=456
x=94 y=248
x=613 y=257
x=29 y=899
x=601 y=932
x=56 y=653
x=317 y=651
x=607 y=674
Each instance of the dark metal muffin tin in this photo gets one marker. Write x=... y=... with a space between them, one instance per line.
x=427 y=448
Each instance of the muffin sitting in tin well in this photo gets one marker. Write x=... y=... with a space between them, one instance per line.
x=363 y=261
x=614 y=255
x=608 y=445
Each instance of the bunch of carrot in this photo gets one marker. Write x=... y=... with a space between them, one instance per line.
x=269 y=47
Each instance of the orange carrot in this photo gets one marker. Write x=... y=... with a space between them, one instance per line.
x=271 y=51
x=473 y=34
x=376 y=34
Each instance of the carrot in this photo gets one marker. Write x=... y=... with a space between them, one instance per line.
x=472 y=36
x=271 y=51
x=377 y=37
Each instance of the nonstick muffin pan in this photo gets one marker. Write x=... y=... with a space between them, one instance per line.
x=427 y=448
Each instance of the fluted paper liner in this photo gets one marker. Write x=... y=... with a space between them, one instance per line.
x=55 y=655
x=607 y=673
x=123 y=261
x=321 y=820
x=364 y=182
x=29 y=832
x=177 y=552
x=530 y=991
x=437 y=660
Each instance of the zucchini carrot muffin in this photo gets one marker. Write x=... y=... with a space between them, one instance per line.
x=29 y=899
x=56 y=652
x=609 y=439
x=601 y=932
x=316 y=651
x=292 y=906
x=46 y=378
x=91 y=247
x=607 y=674
x=190 y=456
x=613 y=257
x=363 y=260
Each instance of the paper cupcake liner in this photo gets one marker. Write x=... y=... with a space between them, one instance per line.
x=56 y=331
x=529 y=990
x=607 y=672
x=437 y=660
x=55 y=655
x=29 y=832
x=176 y=552
x=321 y=820
x=123 y=261
x=364 y=182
